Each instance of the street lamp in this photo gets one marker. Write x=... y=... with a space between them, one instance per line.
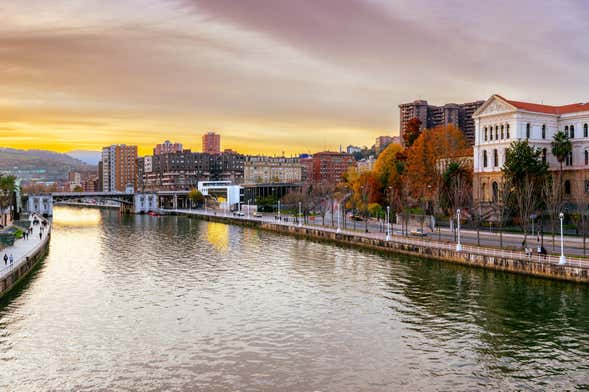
x=300 y=214
x=388 y=223
x=458 y=244
x=338 y=214
x=279 y=210
x=562 y=259
x=248 y=207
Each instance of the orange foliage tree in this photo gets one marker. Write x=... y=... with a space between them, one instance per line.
x=422 y=175
x=412 y=131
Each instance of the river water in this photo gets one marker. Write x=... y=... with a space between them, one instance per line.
x=169 y=303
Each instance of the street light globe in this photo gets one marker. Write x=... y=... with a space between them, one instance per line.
x=561 y=215
x=458 y=211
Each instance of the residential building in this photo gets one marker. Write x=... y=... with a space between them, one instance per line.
x=211 y=143
x=352 y=149
x=383 y=141
x=306 y=161
x=90 y=184
x=366 y=165
x=167 y=147
x=329 y=167
x=119 y=168
x=263 y=169
x=459 y=115
x=500 y=121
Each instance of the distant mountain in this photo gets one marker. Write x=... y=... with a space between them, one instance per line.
x=40 y=165
x=87 y=156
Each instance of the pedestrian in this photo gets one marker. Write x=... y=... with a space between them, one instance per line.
x=5 y=258
x=11 y=259
x=40 y=235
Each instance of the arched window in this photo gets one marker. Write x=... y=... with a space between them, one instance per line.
x=485 y=133
x=566 y=130
x=495 y=191
x=586 y=157
x=569 y=159
x=572 y=132
x=567 y=187
x=543 y=155
x=495 y=158
x=507 y=130
x=502 y=133
x=585 y=130
x=527 y=130
x=485 y=158
x=543 y=131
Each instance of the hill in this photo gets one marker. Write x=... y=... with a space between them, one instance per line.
x=87 y=156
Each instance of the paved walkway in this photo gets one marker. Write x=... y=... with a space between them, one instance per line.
x=23 y=248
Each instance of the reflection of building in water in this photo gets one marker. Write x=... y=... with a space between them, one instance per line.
x=77 y=217
x=218 y=235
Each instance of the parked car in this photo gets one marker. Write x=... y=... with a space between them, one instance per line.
x=357 y=218
x=238 y=213
x=257 y=214
x=418 y=233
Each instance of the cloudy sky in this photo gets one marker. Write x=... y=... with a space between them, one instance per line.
x=271 y=75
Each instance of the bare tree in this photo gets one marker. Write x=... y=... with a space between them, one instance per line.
x=501 y=206
x=553 y=201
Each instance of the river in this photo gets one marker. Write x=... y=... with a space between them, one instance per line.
x=171 y=303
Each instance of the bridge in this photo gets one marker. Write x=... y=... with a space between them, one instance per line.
x=139 y=202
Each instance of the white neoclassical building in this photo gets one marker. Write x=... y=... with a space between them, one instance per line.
x=500 y=121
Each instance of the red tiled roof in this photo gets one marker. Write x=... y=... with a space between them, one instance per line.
x=539 y=108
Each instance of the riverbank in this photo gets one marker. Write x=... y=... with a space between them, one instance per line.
x=26 y=254
x=576 y=269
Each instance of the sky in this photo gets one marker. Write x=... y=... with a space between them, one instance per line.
x=271 y=76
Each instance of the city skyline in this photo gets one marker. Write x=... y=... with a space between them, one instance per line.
x=269 y=77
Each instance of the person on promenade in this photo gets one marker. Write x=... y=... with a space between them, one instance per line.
x=5 y=258
x=40 y=235
x=11 y=259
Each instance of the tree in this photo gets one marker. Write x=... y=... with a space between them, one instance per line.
x=561 y=148
x=456 y=187
x=386 y=163
x=7 y=189
x=412 y=131
x=526 y=173
x=196 y=197
x=553 y=202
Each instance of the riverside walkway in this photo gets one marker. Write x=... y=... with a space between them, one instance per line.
x=24 y=248
x=468 y=252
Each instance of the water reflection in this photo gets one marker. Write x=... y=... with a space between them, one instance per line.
x=169 y=303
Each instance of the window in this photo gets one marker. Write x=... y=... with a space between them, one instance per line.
x=495 y=191
x=490 y=133
x=484 y=158
x=543 y=131
x=572 y=132
x=484 y=190
x=586 y=157
x=496 y=132
x=586 y=186
x=507 y=127
x=567 y=187
x=543 y=155
x=569 y=159
x=566 y=130
x=585 y=131
x=502 y=134
x=495 y=158
x=527 y=130
x=485 y=133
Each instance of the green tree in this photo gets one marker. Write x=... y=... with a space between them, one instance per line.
x=525 y=172
x=561 y=148
x=7 y=189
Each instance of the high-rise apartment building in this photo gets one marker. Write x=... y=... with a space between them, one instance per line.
x=119 y=168
x=262 y=169
x=167 y=147
x=459 y=115
x=211 y=143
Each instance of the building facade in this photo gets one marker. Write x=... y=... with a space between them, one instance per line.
x=211 y=143
x=500 y=121
x=459 y=115
x=167 y=147
x=263 y=169
x=329 y=167
x=119 y=168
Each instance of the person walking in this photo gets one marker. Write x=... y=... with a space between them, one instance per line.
x=11 y=259
x=5 y=258
x=40 y=235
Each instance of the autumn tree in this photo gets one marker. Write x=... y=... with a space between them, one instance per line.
x=412 y=131
x=422 y=167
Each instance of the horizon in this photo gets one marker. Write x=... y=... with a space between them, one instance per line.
x=268 y=77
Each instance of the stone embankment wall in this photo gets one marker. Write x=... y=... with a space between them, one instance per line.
x=12 y=279
x=428 y=249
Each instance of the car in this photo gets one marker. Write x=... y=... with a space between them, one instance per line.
x=418 y=233
x=357 y=218
x=257 y=215
x=238 y=213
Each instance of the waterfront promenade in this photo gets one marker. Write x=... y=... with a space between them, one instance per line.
x=576 y=268
x=24 y=248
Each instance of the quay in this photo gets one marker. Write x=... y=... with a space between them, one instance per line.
x=26 y=255
x=575 y=269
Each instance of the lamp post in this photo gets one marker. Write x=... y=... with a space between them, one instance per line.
x=458 y=244
x=300 y=214
x=338 y=214
x=279 y=210
x=388 y=223
x=248 y=207
x=562 y=259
